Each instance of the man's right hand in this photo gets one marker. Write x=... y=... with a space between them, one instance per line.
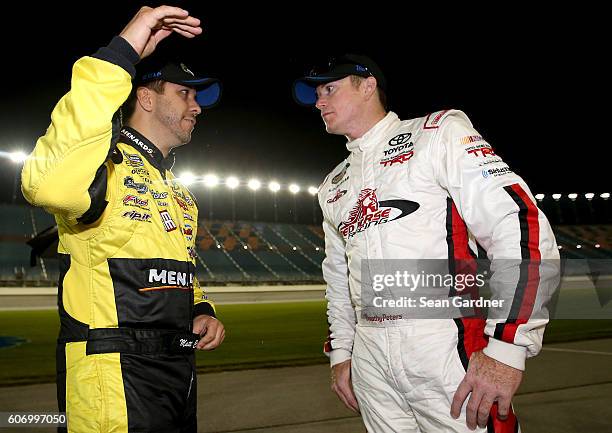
x=150 y=26
x=342 y=386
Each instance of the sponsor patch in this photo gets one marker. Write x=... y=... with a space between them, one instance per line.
x=141 y=171
x=139 y=187
x=482 y=152
x=159 y=195
x=434 y=119
x=133 y=160
x=133 y=200
x=368 y=211
x=181 y=203
x=496 y=172
x=471 y=139
x=187 y=217
x=400 y=139
x=339 y=177
x=337 y=196
x=167 y=221
x=137 y=216
x=397 y=159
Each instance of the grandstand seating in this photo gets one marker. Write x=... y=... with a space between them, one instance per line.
x=241 y=252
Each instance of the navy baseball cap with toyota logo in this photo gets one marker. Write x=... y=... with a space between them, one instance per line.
x=208 y=89
x=305 y=88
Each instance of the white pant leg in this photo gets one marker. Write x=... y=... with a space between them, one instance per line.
x=383 y=408
x=427 y=367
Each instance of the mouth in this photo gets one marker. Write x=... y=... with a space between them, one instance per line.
x=326 y=115
x=192 y=121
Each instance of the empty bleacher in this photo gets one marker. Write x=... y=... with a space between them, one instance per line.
x=241 y=252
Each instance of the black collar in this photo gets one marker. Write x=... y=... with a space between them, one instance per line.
x=145 y=147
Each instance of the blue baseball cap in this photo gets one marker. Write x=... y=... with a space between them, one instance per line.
x=208 y=89
x=305 y=88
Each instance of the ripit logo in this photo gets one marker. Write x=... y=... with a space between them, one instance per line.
x=400 y=139
x=369 y=211
x=137 y=216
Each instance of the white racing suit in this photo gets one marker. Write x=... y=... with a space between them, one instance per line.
x=427 y=188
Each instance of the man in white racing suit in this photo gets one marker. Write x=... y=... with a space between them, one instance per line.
x=426 y=188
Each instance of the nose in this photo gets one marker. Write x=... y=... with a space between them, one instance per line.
x=321 y=102
x=195 y=108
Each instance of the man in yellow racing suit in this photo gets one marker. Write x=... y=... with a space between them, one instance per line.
x=131 y=310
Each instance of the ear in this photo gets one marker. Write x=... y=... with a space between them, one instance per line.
x=144 y=98
x=369 y=87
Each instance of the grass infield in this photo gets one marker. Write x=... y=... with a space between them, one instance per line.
x=257 y=336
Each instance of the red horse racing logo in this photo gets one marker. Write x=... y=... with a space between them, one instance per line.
x=365 y=213
x=369 y=211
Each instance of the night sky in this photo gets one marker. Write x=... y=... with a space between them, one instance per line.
x=519 y=75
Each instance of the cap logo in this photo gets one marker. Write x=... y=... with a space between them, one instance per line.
x=186 y=69
x=151 y=75
x=361 y=68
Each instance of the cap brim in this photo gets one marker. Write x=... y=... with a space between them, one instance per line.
x=305 y=89
x=208 y=91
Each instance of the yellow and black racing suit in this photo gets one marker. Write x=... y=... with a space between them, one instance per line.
x=127 y=291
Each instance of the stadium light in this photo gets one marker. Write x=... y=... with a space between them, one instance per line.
x=211 y=180
x=18 y=157
x=187 y=178
x=294 y=188
x=560 y=247
x=312 y=190
x=232 y=182
x=274 y=186
x=218 y=246
x=557 y=197
x=573 y=196
x=540 y=197
x=597 y=246
x=317 y=249
x=605 y=195
x=245 y=247
x=254 y=184
x=578 y=246
x=294 y=248
x=589 y=195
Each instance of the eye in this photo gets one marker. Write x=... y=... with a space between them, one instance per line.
x=329 y=88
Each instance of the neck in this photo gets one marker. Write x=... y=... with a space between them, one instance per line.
x=160 y=137
x=364 y=123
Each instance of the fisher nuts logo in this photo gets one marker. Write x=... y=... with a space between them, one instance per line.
x=369 y=211
x=400 y=139
x=159 y=195
x=337 y=197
